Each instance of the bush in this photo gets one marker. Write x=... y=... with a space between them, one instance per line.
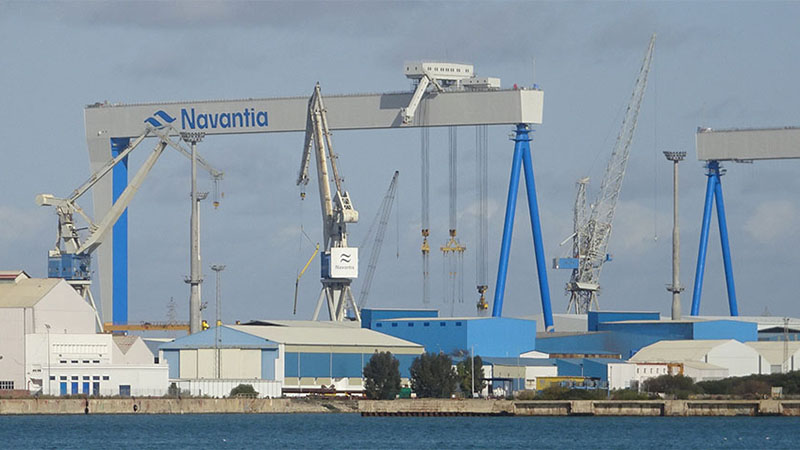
x=629 y=394
x=677 y=385
x=565 y=393
x=432 y=375
x=382 y=375
x=464 y=369
x=244 y=390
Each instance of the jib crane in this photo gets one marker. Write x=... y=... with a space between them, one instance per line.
x=379 y=228
x=593 y=230
x=71 y=257
x=339 y=261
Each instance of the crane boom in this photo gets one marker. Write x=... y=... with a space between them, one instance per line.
x=592 y=233
x=382 y=222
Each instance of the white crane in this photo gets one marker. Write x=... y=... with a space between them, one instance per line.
x=593 y=230
x=339 y=262
x=378 y=227
x=73 y=261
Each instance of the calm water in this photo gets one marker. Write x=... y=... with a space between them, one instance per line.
x=353 y=431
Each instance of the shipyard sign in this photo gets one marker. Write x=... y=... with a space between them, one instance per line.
x=190 y=119
x=344 y=262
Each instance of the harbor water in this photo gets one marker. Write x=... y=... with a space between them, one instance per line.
x=353 y=431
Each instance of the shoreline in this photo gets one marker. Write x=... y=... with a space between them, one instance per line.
x=401 y=407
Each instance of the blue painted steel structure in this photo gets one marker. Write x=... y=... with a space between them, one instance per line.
x=714 y=192
x=370 y=316
x=594 y=318
x=522 y=157
x=335 y=365
x=119 y=265
x=488 y=336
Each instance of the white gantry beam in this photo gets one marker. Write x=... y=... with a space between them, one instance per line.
x=273 y=115
x=748 y=144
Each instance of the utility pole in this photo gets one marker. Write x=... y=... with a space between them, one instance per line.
x=675 y=288
x=217 y=268
x=195 y=277
x=47 y=326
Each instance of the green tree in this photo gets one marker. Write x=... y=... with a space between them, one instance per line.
x=382 y=375
x=244 y=390
x=464 y=369
x=678 y=385
x=432 y=375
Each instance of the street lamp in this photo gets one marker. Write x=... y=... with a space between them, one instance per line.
x=47 y=326
x=217 y=268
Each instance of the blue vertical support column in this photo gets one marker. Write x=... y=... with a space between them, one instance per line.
x=536 y=227
x=119 y=264
x=522 y=156
x=508 y=230
x=726 y=251
x=714 y=192
x=701 y=252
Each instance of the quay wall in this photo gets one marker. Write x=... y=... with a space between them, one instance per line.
x=401 y=407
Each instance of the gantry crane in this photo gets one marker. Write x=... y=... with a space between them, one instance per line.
x=591 y=232
x=379 y=228
x=71 y=257
x=339 y=261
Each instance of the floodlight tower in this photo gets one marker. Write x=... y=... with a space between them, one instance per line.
x=195 y=277
x=675 y=288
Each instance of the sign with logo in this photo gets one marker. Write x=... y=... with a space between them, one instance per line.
x=247 y=118
x=344 y=262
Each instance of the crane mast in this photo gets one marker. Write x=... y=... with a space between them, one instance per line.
x=591 y=234
x=379 y=228
x=339 y=262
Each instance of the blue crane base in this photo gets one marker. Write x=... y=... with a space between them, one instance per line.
x=522 y=157
x=714 y=192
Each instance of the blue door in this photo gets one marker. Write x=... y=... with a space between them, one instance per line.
x=74 y=387
x=63 y=388
x=85 y=388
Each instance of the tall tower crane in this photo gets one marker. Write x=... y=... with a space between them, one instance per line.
x=71 y=257
x=593 y=230
x=379 y=228
x=339 y=261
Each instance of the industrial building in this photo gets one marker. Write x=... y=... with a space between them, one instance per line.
x=736 y=358
x=776 y=356
x=282 y=357
x=484 y=336
x=47 y=332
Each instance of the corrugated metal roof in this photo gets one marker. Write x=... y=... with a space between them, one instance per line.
x=304 y=323
x=679 y=351
x=522 y=362
x=304 y=335
x=25 y=292
x=772 y=351
x=763 y=322
x=229 y=338
x=700 y=365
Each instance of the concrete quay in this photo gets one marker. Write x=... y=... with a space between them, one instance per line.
x=402 y=407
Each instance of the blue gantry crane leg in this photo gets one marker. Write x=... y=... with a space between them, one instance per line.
x=714 y=192
x=522 y=157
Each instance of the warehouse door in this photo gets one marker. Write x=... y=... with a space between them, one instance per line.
x=74 y=387
x=63 y=388
x=85 y=389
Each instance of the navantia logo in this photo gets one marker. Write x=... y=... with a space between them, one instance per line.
x=192 y=120
x=345 y=258
x=154 y=119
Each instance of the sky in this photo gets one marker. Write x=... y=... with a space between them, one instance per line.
x=716 y=64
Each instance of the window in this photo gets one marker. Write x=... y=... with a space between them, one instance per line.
x=105 y=377
x=86 y=361
x=74 y=377
x=394 y=324
x=52 y=377
x=62 y=377
x=378 y=325
x=458 y=324
x=96 y=361
x=62 y=361
x=86 y=377
x=410 y=324
x=74 y=361
x=96 y=377
x=426 y=324
x=6 y=385
x=441 y=324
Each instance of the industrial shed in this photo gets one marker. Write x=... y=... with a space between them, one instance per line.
x=738 y=358
x=299 y=357
x=777 y=356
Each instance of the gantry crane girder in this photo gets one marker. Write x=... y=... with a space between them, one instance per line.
x=110 y=126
